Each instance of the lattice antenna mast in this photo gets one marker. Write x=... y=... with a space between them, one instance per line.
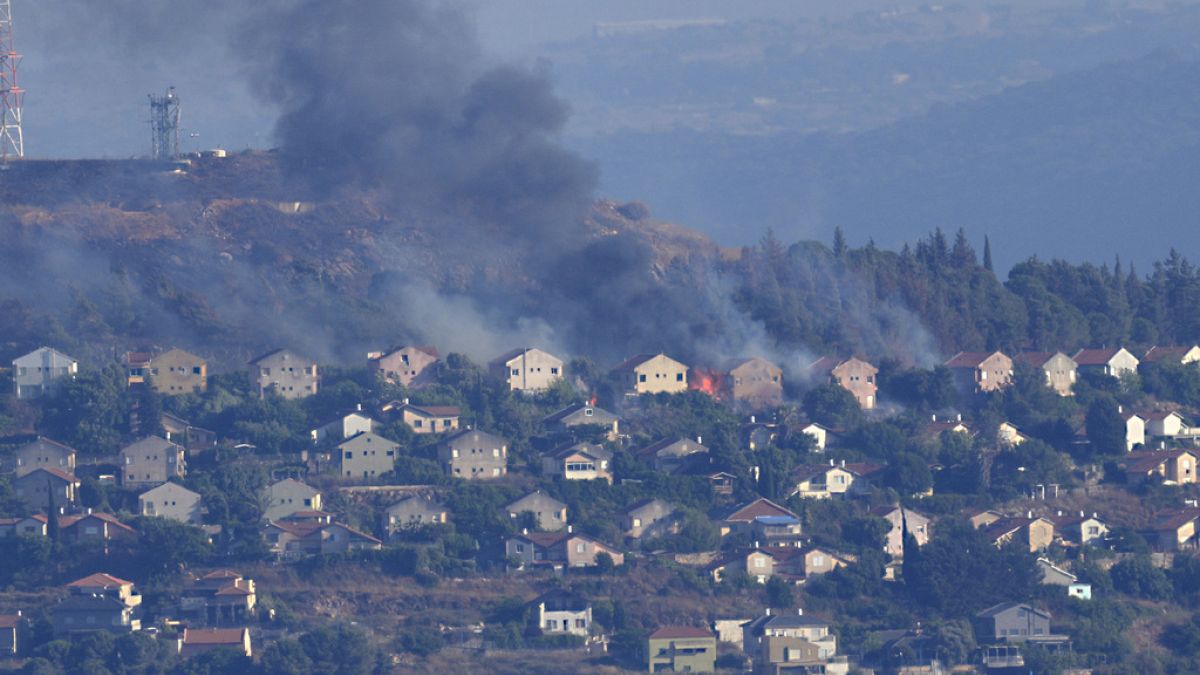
x=164 y=125
x=12 y=142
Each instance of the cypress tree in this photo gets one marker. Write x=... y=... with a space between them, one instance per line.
x=987 y=254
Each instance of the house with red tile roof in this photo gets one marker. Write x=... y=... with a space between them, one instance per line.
x=1113 y=362
x=1169 y=467
x=741 y=518
x=853 y=374
x=430 y=419
x=681 y=649
x=200 y=640
x=981 y=371
x=558 y=549
x=1181 y=356
x=36 y=487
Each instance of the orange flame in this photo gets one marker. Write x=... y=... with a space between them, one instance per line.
x=707 y=381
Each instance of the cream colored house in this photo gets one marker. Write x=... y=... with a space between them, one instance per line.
x=1135 y=430
x=430 y=419
x=177 y=372
x=754 y=382
x=285 y=373
x=527 y=369
x=1061 y=370
x=853 y=374
x=151 y=461
x=171 y=501
x=1007 y=434
x=1035 y=533
x=290 y=496
x=652 y=374
x=44 y=453
x=1169 y=467
x=897 y=517
x=366 y=455
x=409 y=366
x=981 y=371
x=345 y=426
x=823 y=481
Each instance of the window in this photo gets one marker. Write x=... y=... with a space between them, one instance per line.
x=454 y=453
x=641 y=378
x=349 y=454
x=580 y=547
x=580 y=623
x=554 y=371
x=520 y=548
x=637 y=522
x=759 y=561
x=516 y=372
x=818 y=561
x=587 y=412
x=418 y=423
x=496 y=452
x=679 y=377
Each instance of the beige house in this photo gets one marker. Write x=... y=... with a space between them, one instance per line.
x=414 y=511
x=681 y=649
x=430 y=419
x=151 y=461
x=1175 y=529
x=672 y=454
x=754 y=382
x=1135 y=429
x=897 y=517
x=981 y=371
x=285 y=373
x=178 y=372
x=409 y=366
x=648 y=517
x=1008 y=435
x=1080 y=530
x=36 y=487
x=345 y=426
x=1173 y=355
x=1169 y=467
x=200 y=640
x=1111 y=362
x=292 y=540
x=853 y=374
x=1035 y=533
x=171 y=501
x=557 y=550
x=1163 y=423
x=290 y=496
x=579 y=461
x=527 y=369
x=549 y=513
x=756 y=563
x=1061 y=370
x=366 y=456
x=584 y=415
x=652 y=374
x=44 y=453
x=823 y=481
x=474 y=455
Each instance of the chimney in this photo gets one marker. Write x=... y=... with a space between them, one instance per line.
x=569 y=528
x=958 y=417
x=1059 y=513
x=843 y=463
x=1120 y=408
x=752 y=419
x=768 y=611
x=831 y=462
x=933 y=417
x=1081 y=514
x=699 y=440
x=358 y=407
x=524 y=530
x=756 y=544
x=88 y=511
x=1094 y=515
x=404 y=401
x=799 y=611
x=1029 y=514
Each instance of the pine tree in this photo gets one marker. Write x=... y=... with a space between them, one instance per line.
x=839 y=242
x=987 y=254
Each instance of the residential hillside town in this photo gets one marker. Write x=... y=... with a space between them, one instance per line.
x=1025 y=511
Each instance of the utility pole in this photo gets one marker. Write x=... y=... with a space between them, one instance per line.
x=12 y=142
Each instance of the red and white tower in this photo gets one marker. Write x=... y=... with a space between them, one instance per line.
x=12 y=143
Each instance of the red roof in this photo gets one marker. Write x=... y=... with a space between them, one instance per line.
x=214 y=636
x=1095 y=357
x=863 y=469
x=237 y=588
x=57 y=473
x=1036 y=359
x=101 y=579
x=756 y=509
x=434 y=410
x=71 y=521
x=1167 y=353
x=10 y=620
x=222 y=574
x=667 y=632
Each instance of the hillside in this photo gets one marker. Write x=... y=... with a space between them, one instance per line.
x=226 y=253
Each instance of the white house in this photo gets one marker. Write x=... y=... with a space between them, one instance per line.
x=37 y=372
x=172 y=501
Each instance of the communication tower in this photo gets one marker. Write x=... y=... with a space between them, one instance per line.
x=12 y=142
x=164 y=125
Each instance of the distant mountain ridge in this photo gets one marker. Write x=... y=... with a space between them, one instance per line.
x=1060 y=168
